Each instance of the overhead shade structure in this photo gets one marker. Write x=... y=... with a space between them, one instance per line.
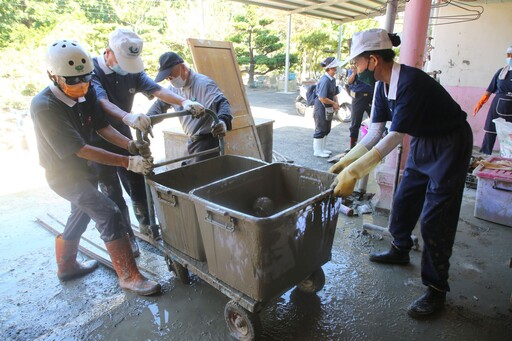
x=340 y=11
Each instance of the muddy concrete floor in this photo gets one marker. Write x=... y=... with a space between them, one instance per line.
x=360 y=300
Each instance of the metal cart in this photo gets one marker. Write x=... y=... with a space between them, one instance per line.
x=250 y=256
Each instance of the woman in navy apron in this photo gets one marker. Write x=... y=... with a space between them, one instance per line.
x=501 y=106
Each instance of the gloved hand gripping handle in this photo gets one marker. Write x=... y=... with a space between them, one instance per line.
x=160 y=117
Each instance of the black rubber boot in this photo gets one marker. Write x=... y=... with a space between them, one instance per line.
x=393 y=256
x=429 y=303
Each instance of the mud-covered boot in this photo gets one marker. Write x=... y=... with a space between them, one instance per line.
x=134 y=245
x=141 y=212
x=68 y=267
x=393 y=256
x=429 y=303
x=124 y=263
x=133 y=240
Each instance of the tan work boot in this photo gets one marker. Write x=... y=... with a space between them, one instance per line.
x=124 y=263
x=68 y=267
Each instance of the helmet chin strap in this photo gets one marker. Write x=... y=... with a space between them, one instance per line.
x=52 y=78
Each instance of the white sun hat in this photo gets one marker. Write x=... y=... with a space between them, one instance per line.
x=127 y=47
x=374 y=39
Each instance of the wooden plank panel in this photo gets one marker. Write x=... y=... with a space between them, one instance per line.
x=217 y=60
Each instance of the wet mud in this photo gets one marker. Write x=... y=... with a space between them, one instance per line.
x=360 y=300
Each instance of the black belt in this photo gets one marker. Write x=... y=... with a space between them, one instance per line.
x=363 y=94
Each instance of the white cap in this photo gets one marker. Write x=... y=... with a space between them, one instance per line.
x=509 y=49
x=374 y=39
x=127 y=47
x=331 y=62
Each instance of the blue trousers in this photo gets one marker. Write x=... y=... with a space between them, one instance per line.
x=322 y=126
x=431 y=190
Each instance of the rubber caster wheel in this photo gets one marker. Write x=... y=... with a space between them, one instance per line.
x=243 y=325
x=180 y=271
x=314 y=283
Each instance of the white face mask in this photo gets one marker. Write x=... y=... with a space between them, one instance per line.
x=509 y=61
x=178 y=82
x=117 y=69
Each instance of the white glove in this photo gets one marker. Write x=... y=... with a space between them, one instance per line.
x=138 y=164
x=195 y=108
x=219 y=129
x=139 y=121
x=139 y=148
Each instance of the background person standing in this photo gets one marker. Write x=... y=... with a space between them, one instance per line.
x=326 y=103
x=361 y=91
x=501 y=106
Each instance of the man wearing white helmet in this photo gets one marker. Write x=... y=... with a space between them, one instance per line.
x=66 y=115
x=435 y=172
x=119 y=75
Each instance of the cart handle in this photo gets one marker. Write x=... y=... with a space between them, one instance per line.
x=230 y=227
x=157 y=118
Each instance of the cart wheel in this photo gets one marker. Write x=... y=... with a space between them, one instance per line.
x=314 y=283
x=168 y=262
x=180 y=271
x=242 y=324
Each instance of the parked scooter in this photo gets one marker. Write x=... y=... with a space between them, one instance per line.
x=344 y=99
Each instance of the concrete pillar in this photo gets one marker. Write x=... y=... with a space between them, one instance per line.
x=414 y=35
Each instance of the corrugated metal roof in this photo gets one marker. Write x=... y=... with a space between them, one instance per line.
x=337 y=10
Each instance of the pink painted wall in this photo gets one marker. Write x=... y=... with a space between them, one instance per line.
x=467 y=97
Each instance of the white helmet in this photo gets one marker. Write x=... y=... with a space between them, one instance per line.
x=68 y=58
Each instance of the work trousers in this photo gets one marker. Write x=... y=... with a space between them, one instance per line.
x=431 y=190
x=322 y=126
x=201 y=143
x=87 y=203
x=110 y=179
x=361 y=103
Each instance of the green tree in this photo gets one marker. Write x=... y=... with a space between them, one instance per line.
x=256 y=46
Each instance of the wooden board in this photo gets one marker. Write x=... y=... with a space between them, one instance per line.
x=217 y=60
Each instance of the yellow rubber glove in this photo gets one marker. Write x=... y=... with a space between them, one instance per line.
x=354 y=154
x=481 y=102
x=346 y=180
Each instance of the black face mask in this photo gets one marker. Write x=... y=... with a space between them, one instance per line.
x=367 y=76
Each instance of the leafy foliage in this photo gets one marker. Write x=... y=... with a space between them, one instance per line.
x=258 y=35
x=258 y=48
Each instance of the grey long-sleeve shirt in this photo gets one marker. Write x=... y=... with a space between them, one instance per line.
x=204 y=90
